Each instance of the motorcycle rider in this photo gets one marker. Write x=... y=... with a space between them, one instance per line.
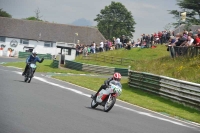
x=33 y=58
x=116 y=77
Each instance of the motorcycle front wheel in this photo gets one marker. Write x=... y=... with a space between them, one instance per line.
x=109 y=104
x=25 y=78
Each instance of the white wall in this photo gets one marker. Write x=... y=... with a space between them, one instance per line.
x=72 y=56
x=39 y=46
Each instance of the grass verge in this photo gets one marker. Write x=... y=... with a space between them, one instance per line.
x=156 y=61
x=44 y=67
x=139 y=97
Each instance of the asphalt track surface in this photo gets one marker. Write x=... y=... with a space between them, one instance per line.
x=47 y=105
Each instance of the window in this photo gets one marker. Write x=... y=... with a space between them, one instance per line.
x=48 y=44
x=2 y=39
x=23 y=41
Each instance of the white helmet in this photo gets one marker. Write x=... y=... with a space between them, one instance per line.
x=34 y=52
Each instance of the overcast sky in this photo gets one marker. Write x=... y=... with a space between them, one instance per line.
x=150 y=15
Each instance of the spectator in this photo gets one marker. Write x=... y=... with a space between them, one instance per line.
x=198 y=40
x=85 y=50
x=101 y=46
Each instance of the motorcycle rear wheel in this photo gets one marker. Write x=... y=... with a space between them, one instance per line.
x=109 y=104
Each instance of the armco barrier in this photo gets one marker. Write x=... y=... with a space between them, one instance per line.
x=55 y=64
x=95 y=68
x=26 y=54
x=187 y=93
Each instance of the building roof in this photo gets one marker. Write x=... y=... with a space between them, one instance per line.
x=31 y=30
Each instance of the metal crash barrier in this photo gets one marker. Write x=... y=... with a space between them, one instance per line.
x=184 y=92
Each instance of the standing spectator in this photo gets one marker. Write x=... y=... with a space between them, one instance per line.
x=118 y=44
x=101 y=46
x=85 y=50
x=168 y=36
x=198 y=40
x=147 y=40
x=151 y=40
x=159 y=36
x=123 y=40
x=106 y=45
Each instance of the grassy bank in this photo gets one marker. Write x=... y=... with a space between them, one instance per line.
x=139 y=97
x=156 y=61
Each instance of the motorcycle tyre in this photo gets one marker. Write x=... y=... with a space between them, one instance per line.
x=29 y=80
x=94 y=104
x=111 y=105
x=25 y=78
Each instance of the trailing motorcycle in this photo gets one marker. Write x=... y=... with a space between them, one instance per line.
x=29 y=73
x=107 y=97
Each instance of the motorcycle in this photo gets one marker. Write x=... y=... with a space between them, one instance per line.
x=107 y=97
x=29 y=74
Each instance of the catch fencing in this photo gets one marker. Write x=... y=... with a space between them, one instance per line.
x=187 y=93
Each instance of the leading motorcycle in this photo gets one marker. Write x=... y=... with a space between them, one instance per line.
x=107 y=97
x=29 y=73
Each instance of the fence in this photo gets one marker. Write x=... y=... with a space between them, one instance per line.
x=26 y=54
x=189 y=51
x=184 y=92
x=95 y=68
x=108 y=59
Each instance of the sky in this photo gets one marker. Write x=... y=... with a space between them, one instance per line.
x=150 y=15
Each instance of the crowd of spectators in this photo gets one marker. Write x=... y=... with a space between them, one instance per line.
x=186 y=38
x=182 y=42
x=115 y=43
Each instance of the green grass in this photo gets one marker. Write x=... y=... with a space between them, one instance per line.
x=136 y=54
x=139 y=97
x=44 y=67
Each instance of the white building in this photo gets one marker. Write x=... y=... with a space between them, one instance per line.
x=25 y=35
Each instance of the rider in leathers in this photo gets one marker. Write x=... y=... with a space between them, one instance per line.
x=116 y=77
x=32 y=59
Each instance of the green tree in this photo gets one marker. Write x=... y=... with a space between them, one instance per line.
x=115 y=20
x=33 y=18
x=4 y=14
x=37 y=16
x=192 y=8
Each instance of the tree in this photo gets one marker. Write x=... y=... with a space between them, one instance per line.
x=37 y=16
x=115 y=20
x=33 y=18
x=192 y=8
x=4 y=14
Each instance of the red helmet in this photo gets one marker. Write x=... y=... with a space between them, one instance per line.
x=117 y=76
